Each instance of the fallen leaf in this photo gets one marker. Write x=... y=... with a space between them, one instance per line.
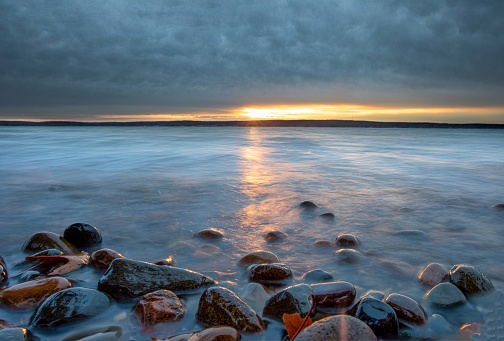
x=294 y=323
x=60 y=264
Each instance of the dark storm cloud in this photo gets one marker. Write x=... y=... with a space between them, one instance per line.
x=184 y=55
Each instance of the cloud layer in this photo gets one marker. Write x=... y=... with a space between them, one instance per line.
x=122 y=56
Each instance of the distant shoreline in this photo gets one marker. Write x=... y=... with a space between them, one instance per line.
x=260 y=123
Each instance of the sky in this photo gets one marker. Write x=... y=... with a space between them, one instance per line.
x=120 y=60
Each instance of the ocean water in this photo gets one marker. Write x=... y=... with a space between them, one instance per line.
x=412 y=196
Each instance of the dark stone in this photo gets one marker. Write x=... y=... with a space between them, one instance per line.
x=498 y=207
x=102 y=258
x=338 y=294
x=406 y=308
x=337 y=328
x=294 y=299
x=380 y=317
x=308 y=205
x=323 y=243
x=433 y=274
x=209 y=234
x=47 y=240
x=275 y=236
x=126 y=278
x=317 y=276
x=4 y=275
x=259 y=257
x=328 y=215
x=159 y=306
x=82 y=235
x=470 y=280
x=270 y=274
x=168 y=261
x=445 y=295
x=347 y=240
x=348 y=256
x=219 y=306
x=69 y=305
x=17 y=334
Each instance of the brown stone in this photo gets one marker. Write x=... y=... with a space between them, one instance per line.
x=211 y=233
x=31 y=294
x=274 y=273
x=338 y=294
x=259 y=257
x=347 y=240
x=159 y=306
x=275 y=236
x=47 y=240
x=406 y=308
x=102 y=258
x=323 y=243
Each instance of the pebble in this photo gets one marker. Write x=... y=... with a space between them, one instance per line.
x=347 y=240
x=82 y=235
x=211 y=233
x=338 y=294
x=102 y=258
x=220 y=306
x=337 y=328
x=48 y=240
x=275 y=236
x=498 y=207
x=258 y=257
x=470 y=280
x=294 y=299
x=327 y=215
x=379 y=316
x=68 y=306
x=406 y=308
x=159 y=306
x=433 y=274
x=308 y=205
x=323 y=243
x=126 y=278
x=31 y=294
x=317 y=276
x=168 y=261
x=445 y=295
x=348 y=256
x=270 y=274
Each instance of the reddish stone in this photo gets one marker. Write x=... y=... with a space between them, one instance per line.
x=159 y=306
x=101 y=259
x=334 y=294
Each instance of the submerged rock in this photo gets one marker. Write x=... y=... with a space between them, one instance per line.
x=69 y=305
x=433 y=274
x=323 y=243
x=338 y=294
x=82 y=235
x=31 y=294
x=275 y=236
x=348 y=256
x=47 y=240
x=258 y=257
x=209 y=234
x=337 y=328
x=269 y=274
x=102 y=258
x=112 y=333
x=327 y=215
x=498 y=207
x=17 y=334
x=294 y=299
x=255 y=295
x=126 y=278
x=380 y=317
x=317 y=276
x=347 y=240
x=445 y=295
x=470 y=280
x=406 y=308
x=219 y=333
x=220 y=306
x=308 y=205
x=159 y=306
x=4 y=276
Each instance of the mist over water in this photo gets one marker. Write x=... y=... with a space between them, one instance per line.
x=413 y=196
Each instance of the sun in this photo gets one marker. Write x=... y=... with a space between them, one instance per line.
x=279 y=112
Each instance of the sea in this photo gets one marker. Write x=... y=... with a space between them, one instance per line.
x=412 y=197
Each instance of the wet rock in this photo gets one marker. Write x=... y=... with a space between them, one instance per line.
x=317 y=276
x=112 y=333
x=323 y=243
x=209 y=234
x=439 y=327
x=207 y=249
x=17 y=334
x=294 y=299
x=334 y=294
x=220 y=306
x=380 y=317
x=126 y=278
x=219 y=333
x=258 y=257
x=82 y=235
x=308 y=205
x=169 y=261
x=337 y=328
x=47 y=240
x=444 y=295
x=159 y=306
x=433 y=274
x=327 y=215
x=498 y=207
x=69 y=305
x=406 y=308
x=31 y=294
x=379 y=295
x=348 y=256
x=470 y=280
x=347 y=240
x=270 y=274
x=4 y=276
x=275 y=236
x=30 y=275
x=59 y=265
x=255 y=295
x=102 y=258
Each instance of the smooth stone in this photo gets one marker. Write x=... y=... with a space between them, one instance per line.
x=168 y=261
x=112 y=333
x=207 y=249
x=347 y=240
x=82 y=235
x=31 y=294
x=406 y=308
x=209 y=234
x=379 y=295
x=102 y=258
x=270 y=274
x=317 y=276
x=348 y=256
x=258 y=257
x=255 y=295
x=433 y=274
x=47 y=240
x=4 y=275
x=445 y=295
x=294 y=299
x=337 y=328
x=308 y=205
x=17 y=334
x=380 y=317
x=126 y=278
x=470 y=280
x=439 y=327
x=220 y=306
x=323 y=243
x=275 y=236
x=159 y=306
x=338 y=294
x=498 y=207
x=219 y=333
x=327 y=215
x=68 y=306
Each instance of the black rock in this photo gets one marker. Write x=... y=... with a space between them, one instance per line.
x=294 y=299
x=82 y=235
x=308 y=205
x=470 y=280
x=69 y=305
x=379 y=316
x=270 y=274
x=4 y=276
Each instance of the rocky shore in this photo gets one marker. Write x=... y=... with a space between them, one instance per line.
x=460 y=302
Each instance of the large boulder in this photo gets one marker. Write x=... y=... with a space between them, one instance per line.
x=220 y=306
x=126 y=278
x=31 y=294
x=337 y=328
x=47 y=240
x=294 y=299
x=470 y=280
